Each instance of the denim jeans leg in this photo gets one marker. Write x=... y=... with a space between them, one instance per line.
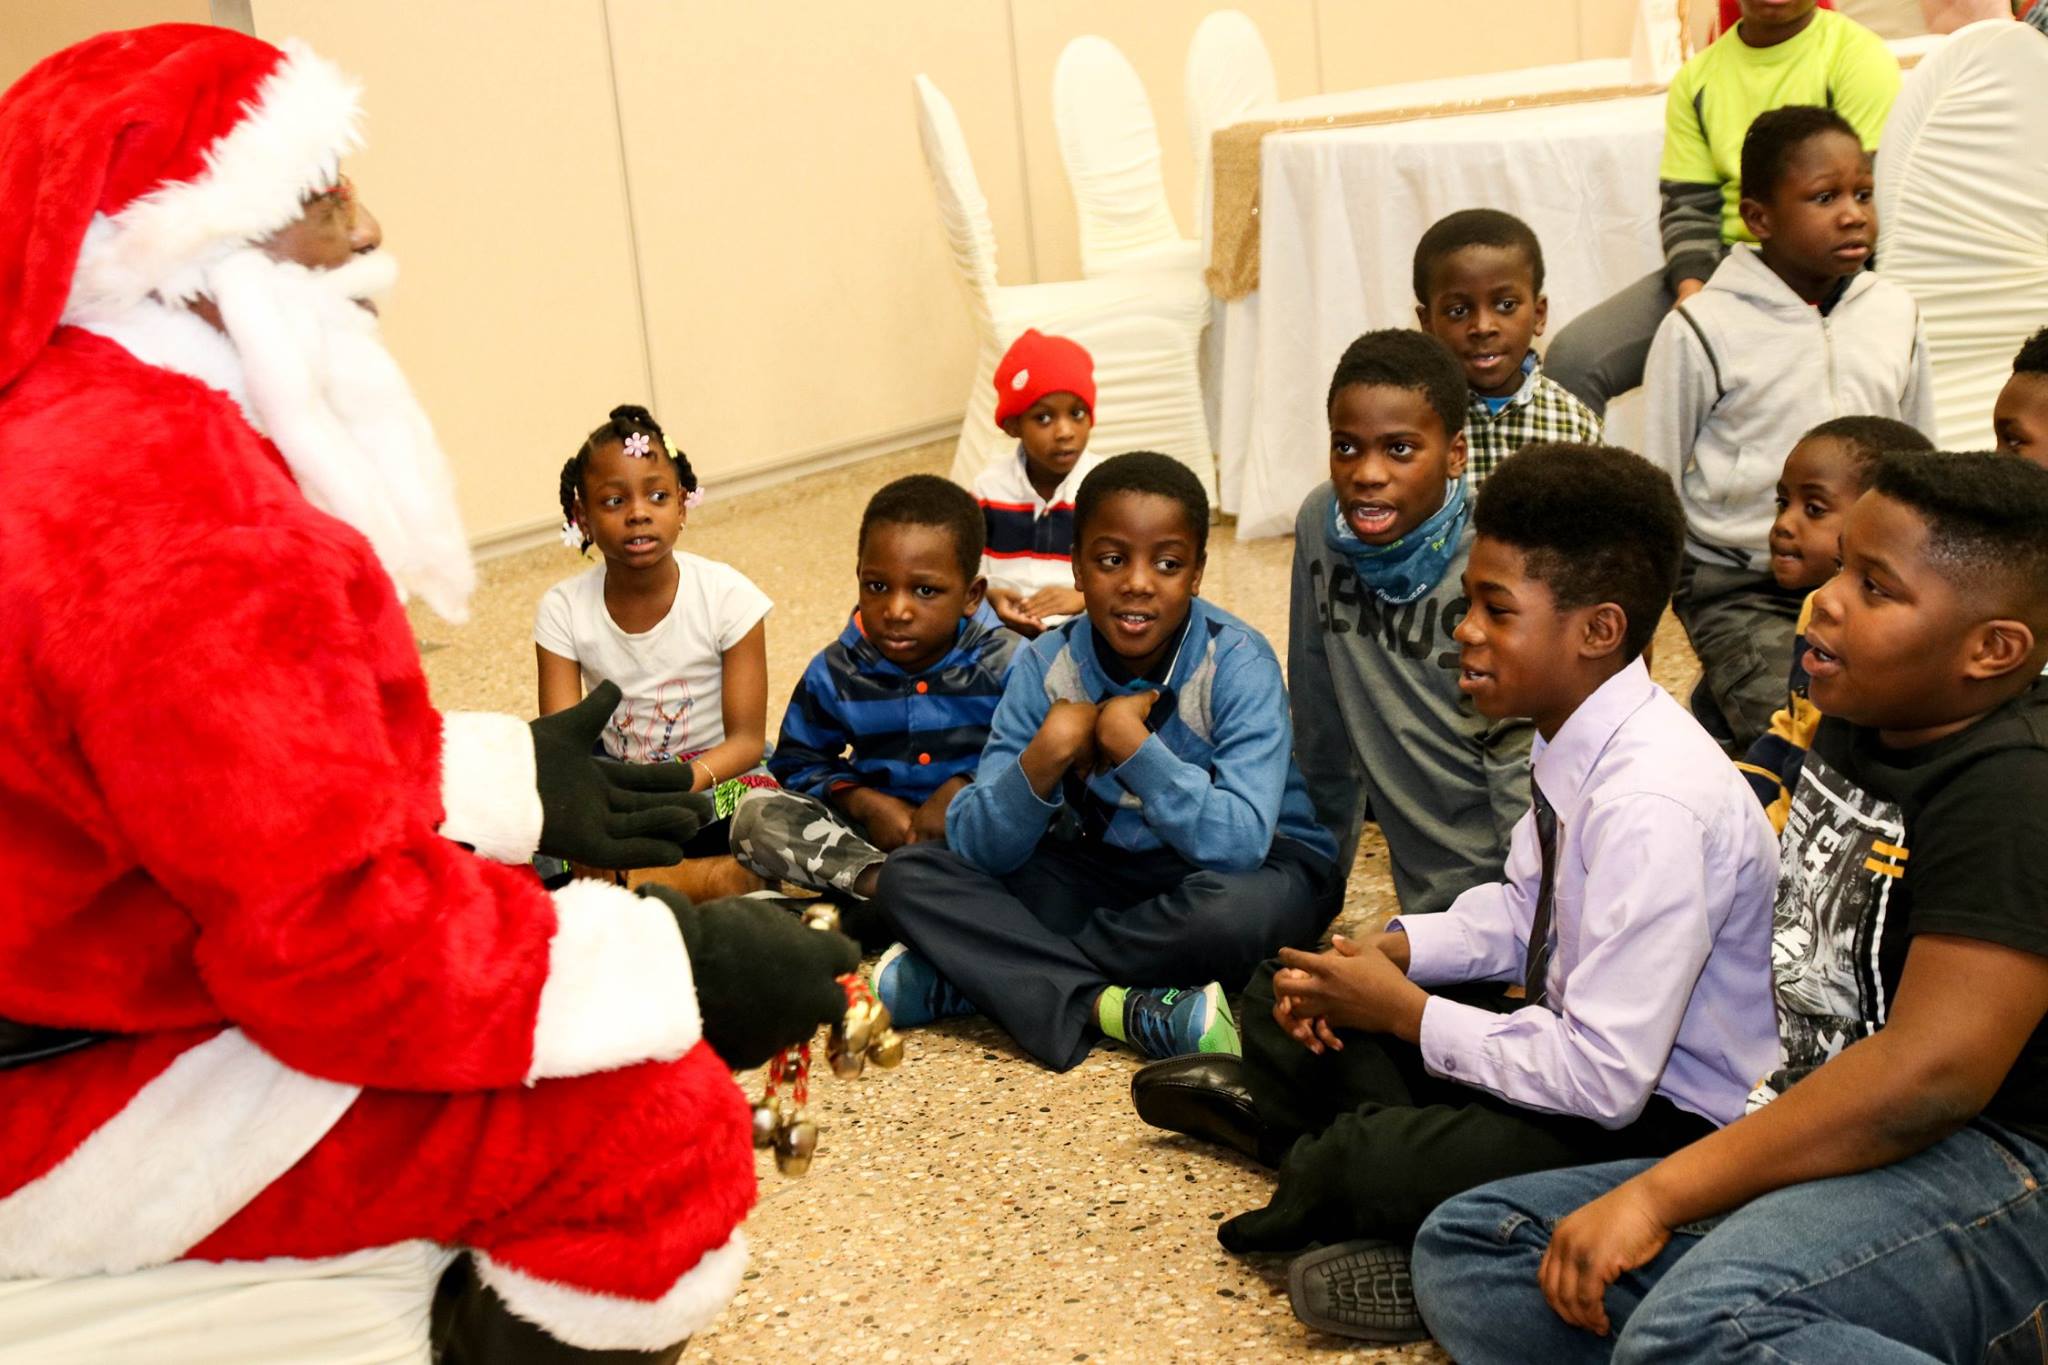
x=1942 y=1256
x=1475 y=1263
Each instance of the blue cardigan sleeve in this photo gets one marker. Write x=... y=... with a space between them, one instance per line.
x=997 y=820
x=1223 y=821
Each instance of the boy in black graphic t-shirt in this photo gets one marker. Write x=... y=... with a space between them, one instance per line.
x=1883 y=1198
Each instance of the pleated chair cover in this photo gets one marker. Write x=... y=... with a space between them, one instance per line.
x=1143 y=328
x=1962 y=213
x=1229 y=74
x=1110 y=146
x=369 y=1308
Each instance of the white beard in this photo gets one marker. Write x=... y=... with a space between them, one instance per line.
x=319 y=382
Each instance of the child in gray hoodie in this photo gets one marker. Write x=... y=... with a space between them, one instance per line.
x=1784 y=336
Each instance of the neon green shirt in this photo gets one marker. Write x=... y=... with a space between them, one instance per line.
x=1836 y=62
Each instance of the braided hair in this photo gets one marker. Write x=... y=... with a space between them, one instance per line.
x=623 y=421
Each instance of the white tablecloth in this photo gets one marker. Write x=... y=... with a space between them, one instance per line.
x=1341 y=210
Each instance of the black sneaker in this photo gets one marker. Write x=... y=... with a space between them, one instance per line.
x=1357 y=1289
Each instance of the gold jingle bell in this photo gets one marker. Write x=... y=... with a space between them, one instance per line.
x=795 y=1144
x=886 y=1051
x=768 y=1121
x=822 y=916
x=854 y=1032
x=847 y=1064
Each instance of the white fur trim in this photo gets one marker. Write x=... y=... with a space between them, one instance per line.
x=179 y=340
x=488 y=785
x=609 y=1322
x=187 y=1152
x=289 y=144
x=619 y=988
x=335 y=402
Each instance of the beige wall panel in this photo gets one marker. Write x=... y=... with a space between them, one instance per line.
x=1607 y=28
x=31 y=30
x=493 y=164
x=1379 y=42
x=799 y=291
x=1154 y=35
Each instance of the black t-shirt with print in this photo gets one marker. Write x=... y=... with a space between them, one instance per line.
x=1882 y=844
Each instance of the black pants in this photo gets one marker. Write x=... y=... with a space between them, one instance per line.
x=1373 y=1142
x=1741 y=625
x=1033 y=949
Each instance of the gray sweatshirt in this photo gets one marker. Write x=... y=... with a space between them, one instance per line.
x=1381 y=730
x=1744 y=368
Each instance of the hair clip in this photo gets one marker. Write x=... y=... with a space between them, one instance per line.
x=693 y=497
x=639 y=446
x=572 y=535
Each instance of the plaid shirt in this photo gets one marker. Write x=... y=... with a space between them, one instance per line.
x=1544 y=410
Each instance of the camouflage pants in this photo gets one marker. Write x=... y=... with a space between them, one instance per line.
x=799 y=839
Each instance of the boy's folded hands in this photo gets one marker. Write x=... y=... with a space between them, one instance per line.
x=1352 y=986
x=1087 y=737
x=1120 y=726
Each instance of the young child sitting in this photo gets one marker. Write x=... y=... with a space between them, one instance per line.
x=1045 y=399
x=1634 y=911
x=680 y=635
x=1380 y=724
x=1782 y=338
x=887 y=723
x=1479 y=290
x=1136 y=836
x=1826 y=472
x=2019 y=420
x=1782 y=52
x=1882 y=1200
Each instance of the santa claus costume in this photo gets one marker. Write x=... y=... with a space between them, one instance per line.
x=261 y=1002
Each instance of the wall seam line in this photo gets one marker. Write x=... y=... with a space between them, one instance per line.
x=1023 y=147
x=611 y=63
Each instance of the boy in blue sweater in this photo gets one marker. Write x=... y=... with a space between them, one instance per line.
x=1137 y=835
x=888 y=721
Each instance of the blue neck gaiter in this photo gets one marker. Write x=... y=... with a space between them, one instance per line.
x=1411 y=566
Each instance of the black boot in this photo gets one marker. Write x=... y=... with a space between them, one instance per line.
x=472 y=1326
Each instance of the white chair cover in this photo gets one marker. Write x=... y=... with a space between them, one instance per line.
x=1658 y=48
x=1962 y=212
x=369 y=1308
x=1142 y=328
x=1110 y=146
x=1229 y=74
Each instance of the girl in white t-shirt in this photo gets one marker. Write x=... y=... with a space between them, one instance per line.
x=682 y=636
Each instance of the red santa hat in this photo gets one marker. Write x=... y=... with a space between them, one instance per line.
x=1036 y=365
x=132 y=161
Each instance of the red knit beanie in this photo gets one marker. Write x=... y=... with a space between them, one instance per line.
x=1036 y=365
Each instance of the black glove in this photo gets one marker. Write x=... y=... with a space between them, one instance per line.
x=764 y=980
x=609 y=814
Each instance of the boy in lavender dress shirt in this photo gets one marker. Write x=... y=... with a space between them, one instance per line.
x=1634 y=910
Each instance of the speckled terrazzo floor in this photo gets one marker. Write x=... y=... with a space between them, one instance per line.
x=969 y=1206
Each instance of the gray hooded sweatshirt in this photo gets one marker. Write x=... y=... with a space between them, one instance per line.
x=1381 y=730
x=1744 y=368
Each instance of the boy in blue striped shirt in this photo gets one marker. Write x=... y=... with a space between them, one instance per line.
x=1137 y=837
x=887 y=723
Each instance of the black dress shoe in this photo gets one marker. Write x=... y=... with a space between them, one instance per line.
x=1202 y=1095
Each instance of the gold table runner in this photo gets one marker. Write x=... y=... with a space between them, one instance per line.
x=1233 y=270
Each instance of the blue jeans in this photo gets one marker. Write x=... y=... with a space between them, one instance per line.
x=1940 y=1257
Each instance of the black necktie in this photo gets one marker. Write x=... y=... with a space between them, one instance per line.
x=1537 y=966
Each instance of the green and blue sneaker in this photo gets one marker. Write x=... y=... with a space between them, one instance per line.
x=911 y=988
x=1169 y=1022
